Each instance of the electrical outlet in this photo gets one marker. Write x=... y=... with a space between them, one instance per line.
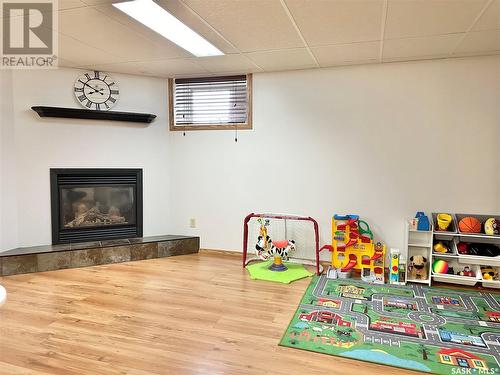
x=192 y=222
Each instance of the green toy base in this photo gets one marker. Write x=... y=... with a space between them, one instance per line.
x=261 y=271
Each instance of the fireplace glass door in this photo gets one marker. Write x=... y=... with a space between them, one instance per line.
x=97 y=206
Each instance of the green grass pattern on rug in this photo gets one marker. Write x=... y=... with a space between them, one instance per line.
x=440 y=331
x=260 y=271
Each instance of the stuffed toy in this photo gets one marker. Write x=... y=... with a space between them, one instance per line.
x=419 y=268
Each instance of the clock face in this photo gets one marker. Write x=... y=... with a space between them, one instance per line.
x=96 y=90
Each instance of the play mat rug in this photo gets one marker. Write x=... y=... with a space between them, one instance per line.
x=442 y=331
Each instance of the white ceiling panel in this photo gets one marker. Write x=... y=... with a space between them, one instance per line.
x=480 y=42
x=414 y=18
x=125 y=68
x=274 y=35
x=69 y=4
x=166 y=48
x=336 y=22
x=173 y=67
x=251 y=25
x=82 y=54
x=490 y=19
x=191 y=19
x=227 y=63
x=342 y=54
x=441 y=45
x=283 y=59
x=95 y=28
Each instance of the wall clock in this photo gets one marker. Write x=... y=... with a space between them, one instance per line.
x=96 y=91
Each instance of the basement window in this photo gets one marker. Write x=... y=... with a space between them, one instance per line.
x=210 y=103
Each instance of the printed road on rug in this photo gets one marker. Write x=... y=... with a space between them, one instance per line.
x=442 y=331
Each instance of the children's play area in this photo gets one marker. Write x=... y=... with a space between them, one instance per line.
x=388 y=306
x=250 y=187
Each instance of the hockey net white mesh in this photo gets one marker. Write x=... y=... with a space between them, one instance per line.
x=301 y=231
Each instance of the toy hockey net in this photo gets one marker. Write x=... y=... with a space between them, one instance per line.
x=302 y=229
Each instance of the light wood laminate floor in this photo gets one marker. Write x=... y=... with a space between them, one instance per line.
x=191 y=314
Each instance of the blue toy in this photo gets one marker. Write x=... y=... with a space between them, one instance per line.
x=423 y=221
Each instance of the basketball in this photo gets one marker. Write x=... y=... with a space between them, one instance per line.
x=469 y=224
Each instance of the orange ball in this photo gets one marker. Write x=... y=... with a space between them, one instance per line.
x=469 y=224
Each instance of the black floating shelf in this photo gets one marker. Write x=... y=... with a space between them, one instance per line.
x=93 y=115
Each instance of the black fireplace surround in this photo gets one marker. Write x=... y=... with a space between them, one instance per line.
x=95 y=204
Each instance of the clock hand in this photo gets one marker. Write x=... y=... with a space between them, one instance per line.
x=86 y=84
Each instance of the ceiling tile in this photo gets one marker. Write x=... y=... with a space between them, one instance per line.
x=413 y=18
x=423 y=46
x=101 y=2
x=188 y=17
x=480 y=42
x=283 y=59
x=93 y=27
x=251 y=25
x=490 y=19
x=125 y=68
x=69 y=4
x=66 y=63
x=173 y=67
x=341 y=54
x=336 y=22
x=168 y=48
x=227 y=63
x=80 y=53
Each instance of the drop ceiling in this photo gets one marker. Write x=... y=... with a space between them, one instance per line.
x=276 y=35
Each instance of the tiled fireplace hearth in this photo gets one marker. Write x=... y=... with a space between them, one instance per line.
x=83 y=254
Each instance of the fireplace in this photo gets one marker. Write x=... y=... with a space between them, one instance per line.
x=95 y=204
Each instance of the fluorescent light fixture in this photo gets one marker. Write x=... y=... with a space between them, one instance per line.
x=158 y=19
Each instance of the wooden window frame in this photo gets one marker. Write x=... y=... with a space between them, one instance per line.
x=241 y=126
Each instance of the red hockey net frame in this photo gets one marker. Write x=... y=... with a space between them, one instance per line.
x=282 y=217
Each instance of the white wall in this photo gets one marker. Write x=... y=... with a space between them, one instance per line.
x=382 y=141
x=38 y=144
x=8 y=201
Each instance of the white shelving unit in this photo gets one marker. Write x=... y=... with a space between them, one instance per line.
x=459 y=261
x=418 y=242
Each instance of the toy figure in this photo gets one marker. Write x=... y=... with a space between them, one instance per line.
x=266 y=247
x=440 y=247
x=419 y=267
x=466 y=272
x=463 y=248
x=489 y=273
x=492 y=226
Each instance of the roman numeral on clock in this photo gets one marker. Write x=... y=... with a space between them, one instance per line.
x=82 y=98
x=112 y=100
x=78 y=89
x=96 y=75
x=97 y=106
x=87 y=75
x=113 y=92
x=89 y=104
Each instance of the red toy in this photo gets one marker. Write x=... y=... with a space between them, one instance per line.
x=463 y=248
x=466 y=272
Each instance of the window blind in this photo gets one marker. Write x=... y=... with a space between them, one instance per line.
x=211 y=100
